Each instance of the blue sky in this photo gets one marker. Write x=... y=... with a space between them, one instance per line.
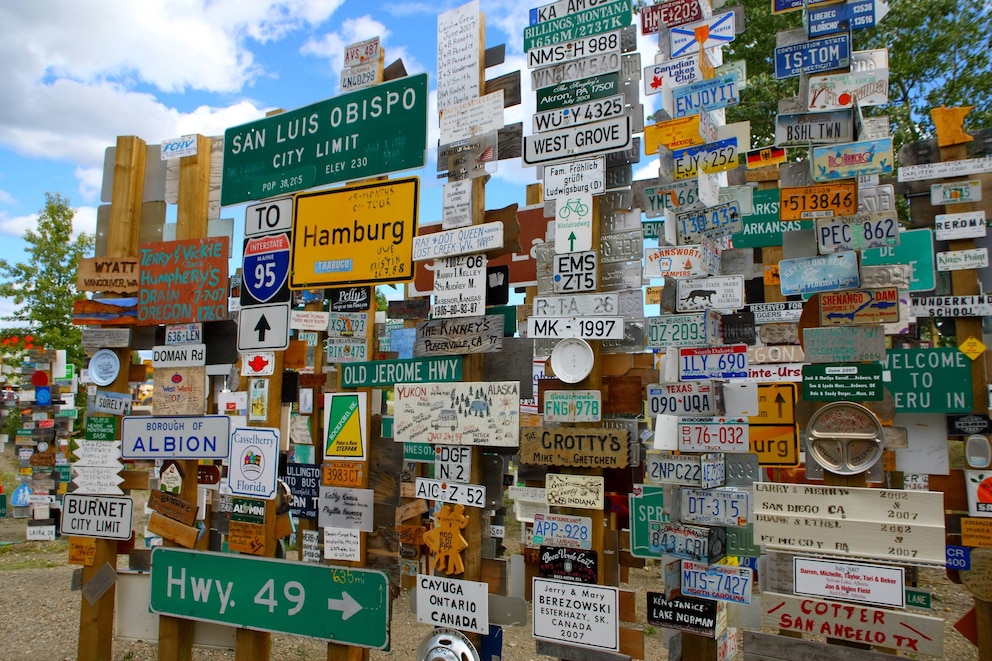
x=75 y=75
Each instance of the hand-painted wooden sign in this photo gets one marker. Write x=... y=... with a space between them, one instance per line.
x=454 y=337
x=590 y=447
x=183 y=281
x=859 y=306
x=902 y=631
x=581 y=491
x=702 y=617
x=471 y=413
x=106 y=274
x=445 y=539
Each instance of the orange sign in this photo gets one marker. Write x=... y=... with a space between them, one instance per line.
x=826 y=201
x=775 y=445
x=976 y=532
x=343 y=474
x=776 y=404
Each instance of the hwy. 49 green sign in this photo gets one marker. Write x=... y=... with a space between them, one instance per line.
x=344 y=605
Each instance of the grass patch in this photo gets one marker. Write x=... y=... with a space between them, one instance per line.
x=33 y=555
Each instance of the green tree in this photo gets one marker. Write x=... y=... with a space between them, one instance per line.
x=938 y=55
x=44 y=287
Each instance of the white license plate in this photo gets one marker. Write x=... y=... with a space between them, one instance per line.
x=868 y=230
x=698 y=398
x=184 y=334
x=683 y=330
x=725 y=292
x=704 y=471
x=573 y=406
x=719 y=220
x=722 y=362
x=720 y=582
x=472 y=495
x=713 y=435
x=560 y=530
x=345 y=324
x=583 y=113
x=578 y=305
x=344 y=351
x=587 y=328
x=714 y=507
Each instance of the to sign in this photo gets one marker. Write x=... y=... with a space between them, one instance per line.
x=343 y=605
x=269 y=217
x=561 y=609
x=103 y=517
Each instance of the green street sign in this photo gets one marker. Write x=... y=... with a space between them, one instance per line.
x=763 y=228
x=644 y=509
x=579 y=91
x=827 y=382
x=348 y=606
x=579 y=25
x=916 y=249
x=387 y=426
x=918 y=598
x=387 y=373
x=365 y=133
x=929 y=380
x=740 y=542
x=3 y=506
x=101 y=429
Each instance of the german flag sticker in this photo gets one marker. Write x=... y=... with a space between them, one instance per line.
x=765 y=157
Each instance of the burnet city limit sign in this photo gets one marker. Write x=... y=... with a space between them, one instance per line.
x=369 y=132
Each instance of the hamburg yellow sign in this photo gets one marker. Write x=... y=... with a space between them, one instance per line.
x=355 y=235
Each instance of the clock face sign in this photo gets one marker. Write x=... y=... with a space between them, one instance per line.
x=265 y=270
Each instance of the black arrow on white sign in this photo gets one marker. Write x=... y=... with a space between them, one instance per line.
x=261 y=327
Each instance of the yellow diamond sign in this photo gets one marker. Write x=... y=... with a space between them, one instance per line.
x=972 y=347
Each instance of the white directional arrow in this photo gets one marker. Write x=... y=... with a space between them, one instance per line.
x=99 y=453
x=97 y=480
x=345 y=604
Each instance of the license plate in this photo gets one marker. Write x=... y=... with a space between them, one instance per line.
x=342 y=350
x=697 y=398
x=576 y=305
x=802 y=129
x=582 y=113
x=877 y=199
x=824 y=201
x=720 y=582
x=621 y=247
x=573 y=406
x=347 y=324
x=573 y=532
x=184 y=334
x=566 y=72
x=586 y=328
x=722 y=362
x=705 y=95
x=683 y=330
x=713 y=507
x=720 y=292
x=812 y=56
x=866 y=230
x=711 y=222
x=711 y=158
x=671 y=14
x=575 y=272
x=672 y=196
x=472 y=495
x=713 y=434
x=687 y=470
x=557 y=53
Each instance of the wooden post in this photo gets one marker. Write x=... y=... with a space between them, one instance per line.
x=175 y=635
x=96 y=621
x=953 y=141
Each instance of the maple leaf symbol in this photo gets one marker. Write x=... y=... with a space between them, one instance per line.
x=656 y=83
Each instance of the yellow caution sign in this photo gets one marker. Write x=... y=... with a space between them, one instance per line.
x=776 y=404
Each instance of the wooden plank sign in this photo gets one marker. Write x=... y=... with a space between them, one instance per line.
x=172 y=506
x=581 y=491
x=184 y=281
x=455 y=337
x=902 y=631
x=900 y=526
x=589 y=447
x=470 y=413
x=769 y=647
x=702 y=617
x=106 y=274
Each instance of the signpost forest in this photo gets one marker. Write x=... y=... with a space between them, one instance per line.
x=644 y=326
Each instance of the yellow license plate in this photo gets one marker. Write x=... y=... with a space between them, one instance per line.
x=826 y=201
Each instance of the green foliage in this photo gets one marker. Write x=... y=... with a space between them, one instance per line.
x=44 y=287
x=938 y=55
x=381 y=302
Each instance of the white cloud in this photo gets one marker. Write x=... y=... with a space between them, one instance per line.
x=90 y=182
x=330 y=46
x=17 y=225
x=84 y=221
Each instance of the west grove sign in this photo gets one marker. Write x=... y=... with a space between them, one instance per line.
x=365 y=133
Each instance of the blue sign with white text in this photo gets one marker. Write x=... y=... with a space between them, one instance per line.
x=813 y=56
x=856 y=15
